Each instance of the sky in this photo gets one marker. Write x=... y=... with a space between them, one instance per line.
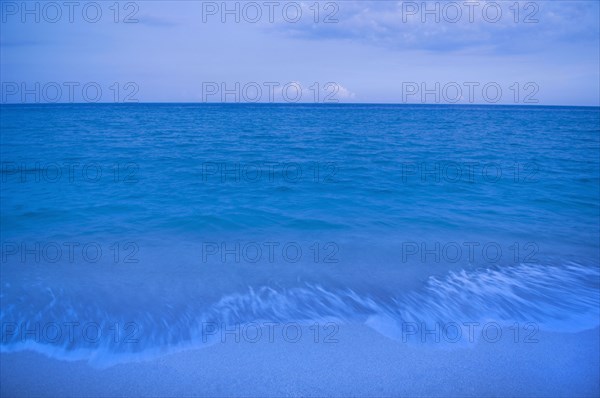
x=484 y=52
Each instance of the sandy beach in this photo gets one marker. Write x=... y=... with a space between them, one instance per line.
x=361 y=363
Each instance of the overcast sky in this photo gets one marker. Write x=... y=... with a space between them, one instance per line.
x=544 y=52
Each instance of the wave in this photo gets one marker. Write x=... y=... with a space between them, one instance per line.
x=557 y=298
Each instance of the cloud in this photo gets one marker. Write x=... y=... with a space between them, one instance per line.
x=343 y=93
x=455 y=26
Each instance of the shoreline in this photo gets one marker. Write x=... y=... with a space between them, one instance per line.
x=361 y=363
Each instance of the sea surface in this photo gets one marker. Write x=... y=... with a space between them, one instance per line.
x=127 y=229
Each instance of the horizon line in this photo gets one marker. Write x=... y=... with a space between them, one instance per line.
x=293 y=103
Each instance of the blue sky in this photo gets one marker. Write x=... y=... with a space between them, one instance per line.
x=541 y=52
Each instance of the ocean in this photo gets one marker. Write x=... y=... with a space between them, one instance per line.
x=131 y=231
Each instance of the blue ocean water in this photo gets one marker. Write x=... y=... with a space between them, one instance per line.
x=160 y=218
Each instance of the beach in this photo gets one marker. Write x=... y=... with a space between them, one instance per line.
x=361 y=363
